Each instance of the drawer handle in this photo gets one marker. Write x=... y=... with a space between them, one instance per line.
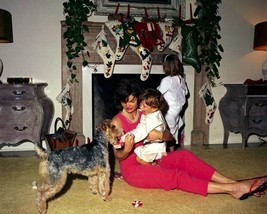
x=257 y=121
x=18 y=92
x=259 y=104
x=23 y=129
x=18 y=108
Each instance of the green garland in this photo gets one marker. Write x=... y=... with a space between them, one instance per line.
x=76 y=12
x=208 y=27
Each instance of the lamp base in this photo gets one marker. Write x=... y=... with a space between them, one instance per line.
x=264 y=71
x=1 y=70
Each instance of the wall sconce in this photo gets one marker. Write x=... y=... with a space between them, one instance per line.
x=260 y=43
x=6 y=33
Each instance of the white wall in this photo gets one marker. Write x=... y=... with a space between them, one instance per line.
x=36 y=50
x=239 y=60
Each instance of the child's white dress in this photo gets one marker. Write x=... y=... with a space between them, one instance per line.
x=174 y=90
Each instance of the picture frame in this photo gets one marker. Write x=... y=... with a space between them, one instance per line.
x=167 y=8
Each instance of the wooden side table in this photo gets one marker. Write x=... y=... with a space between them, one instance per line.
x=243 y=110
x=26 y=113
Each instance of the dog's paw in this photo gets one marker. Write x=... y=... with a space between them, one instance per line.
x=106 y=198
x=93 y=190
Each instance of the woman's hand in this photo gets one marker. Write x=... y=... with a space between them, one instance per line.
x=153 y=135
x=129 y=143
x=157 y=135
x=121 y=154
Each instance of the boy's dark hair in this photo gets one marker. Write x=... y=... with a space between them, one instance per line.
x=172 y=65
x=154 y=98
x=125 y=88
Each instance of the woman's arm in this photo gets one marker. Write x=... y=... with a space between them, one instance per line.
x=121 y=154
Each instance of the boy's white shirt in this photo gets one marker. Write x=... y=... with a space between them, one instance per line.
x=148 y=123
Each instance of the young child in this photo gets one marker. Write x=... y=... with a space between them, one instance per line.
x=174 y=90
x=151 y=103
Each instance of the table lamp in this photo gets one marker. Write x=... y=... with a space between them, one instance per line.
x=6 y=34
x=260 y=43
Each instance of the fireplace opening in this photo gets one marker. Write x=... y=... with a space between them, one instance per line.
x=98 y=92
x=103 y=91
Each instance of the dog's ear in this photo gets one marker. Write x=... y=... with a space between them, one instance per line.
x=104 y=124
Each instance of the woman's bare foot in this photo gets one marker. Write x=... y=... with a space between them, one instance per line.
x=244 y=187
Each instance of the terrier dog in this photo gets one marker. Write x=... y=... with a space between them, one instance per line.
x=91 y=160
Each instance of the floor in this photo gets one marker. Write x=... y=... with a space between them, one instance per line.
x=32 y=153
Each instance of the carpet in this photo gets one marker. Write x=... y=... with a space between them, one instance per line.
x=18 y=173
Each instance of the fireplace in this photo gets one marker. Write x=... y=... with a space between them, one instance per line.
x=196 y=130
x=98 y=94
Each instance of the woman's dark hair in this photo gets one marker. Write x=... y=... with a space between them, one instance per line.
x=172 y=65
x=124 y=89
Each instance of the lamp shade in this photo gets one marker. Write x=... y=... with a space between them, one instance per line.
x=260 y=36
x=6 y=34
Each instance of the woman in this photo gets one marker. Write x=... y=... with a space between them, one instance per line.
x=151 y=103
x=181 y=169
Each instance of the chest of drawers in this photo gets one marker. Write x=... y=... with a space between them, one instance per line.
x=243 y=110
x=26 y=113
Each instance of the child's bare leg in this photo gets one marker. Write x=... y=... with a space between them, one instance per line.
x=171 y=148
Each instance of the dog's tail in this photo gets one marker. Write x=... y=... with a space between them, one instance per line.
x=40 y=151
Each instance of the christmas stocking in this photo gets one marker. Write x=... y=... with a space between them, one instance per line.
x=116 y=29
x=190 y=45
x=65 y=99
x=149 y=34
x=206 y=94
x=176 y=44
x=146 y=58
x=167 y=29
x=131 y=38
x=103 y=49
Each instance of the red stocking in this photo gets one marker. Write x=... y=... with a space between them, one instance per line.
x=149 y=34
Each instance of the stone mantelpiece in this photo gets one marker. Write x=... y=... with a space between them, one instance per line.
x=200 y=132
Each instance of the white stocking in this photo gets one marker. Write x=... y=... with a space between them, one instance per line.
x=65 y=99
x=101 y=46
x=146 y=58
x=176 y=44
x=116 y=29
x=167 y=29
x=206 y=94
